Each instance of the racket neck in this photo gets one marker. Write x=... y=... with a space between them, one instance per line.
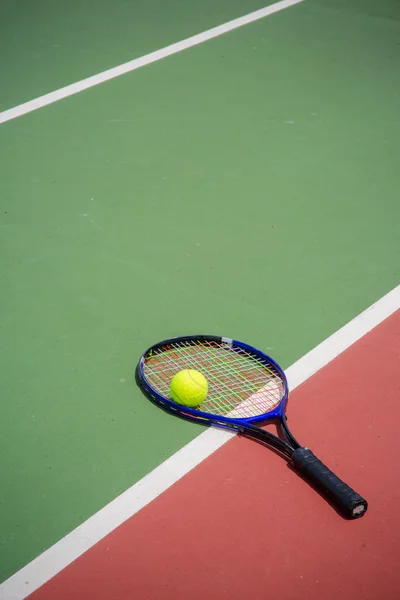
x=261 y=435
x=288 y=434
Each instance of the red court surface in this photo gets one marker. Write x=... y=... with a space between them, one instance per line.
x=243 y=525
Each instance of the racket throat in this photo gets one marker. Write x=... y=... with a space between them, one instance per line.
x=287 y=434
x=261 y=435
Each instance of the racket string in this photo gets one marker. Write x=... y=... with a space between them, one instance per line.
x=219 y=383
x=224 y=367
x=240 y=384
x=221 y=374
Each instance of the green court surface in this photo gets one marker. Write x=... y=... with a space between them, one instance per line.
x=247 y=187
x=55 y=44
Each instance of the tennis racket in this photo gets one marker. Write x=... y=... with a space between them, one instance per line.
x=245 y=387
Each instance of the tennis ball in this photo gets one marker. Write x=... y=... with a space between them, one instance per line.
x=189 y=387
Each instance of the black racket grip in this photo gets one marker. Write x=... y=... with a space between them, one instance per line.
x=351 y=504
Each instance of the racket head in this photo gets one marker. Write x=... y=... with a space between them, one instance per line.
x=245 y=385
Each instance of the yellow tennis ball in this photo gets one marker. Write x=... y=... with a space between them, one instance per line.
x=189 y=387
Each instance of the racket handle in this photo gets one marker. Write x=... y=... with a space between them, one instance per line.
x=351 y=504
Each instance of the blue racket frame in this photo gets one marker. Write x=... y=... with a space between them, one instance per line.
x=276 y=413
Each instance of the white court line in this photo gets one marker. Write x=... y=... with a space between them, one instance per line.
x=73 y=545
x=137 y=63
